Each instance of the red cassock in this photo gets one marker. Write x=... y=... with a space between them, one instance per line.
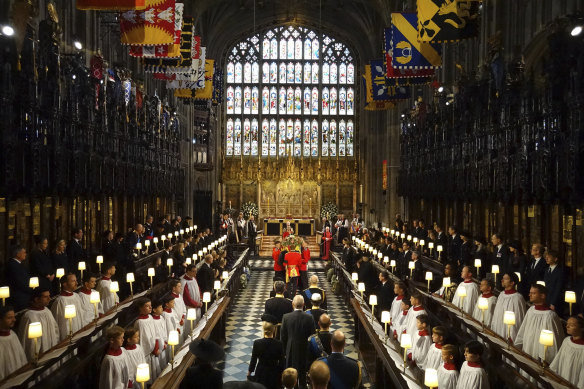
x=275 y=256
x=327 y=239
x=293 y=259
x=285 y=234
x=305 y=259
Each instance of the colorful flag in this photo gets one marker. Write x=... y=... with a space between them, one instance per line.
x=110 y=5
x=377 y=87
x=407 y=52
x=163 y=51
x=153 y=25
x=447 y=20
x=420 y=75
x=183 y=63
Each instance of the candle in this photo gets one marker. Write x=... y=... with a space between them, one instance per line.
x=495 y=271
x=225 y=275
x=354 y=277
x=361 y=288
x=70 y=312
x=386 y=259
x=206 y=300
x=546 y=338
x=94 y=299
x=483 y=305
x=217 y=285
x=35 y=331
x=169 y=263
x=446 y=282
x=509 y=320
x=406 y=343
x=138 y=246
x=429 y=277
x=130 y=279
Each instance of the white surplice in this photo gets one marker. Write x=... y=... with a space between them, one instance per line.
x=472 y=377
x=395 y=310
x=88 y=308
x=478 y=314
x=12 y=356
x=536 y=319
x=447 y=376
x=58 y=310
x=114 y=372
x=569 y=362
x=509 y=300
x=162 y=333
x=108 y=299
x=50 y=331
x=411 y=325
x=421 y=341
x=149 y=341
x=472 y=295
x=135 y=357
x=433 y=358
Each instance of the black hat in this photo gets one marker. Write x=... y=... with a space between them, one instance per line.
x=206 y=350
x=269 y=318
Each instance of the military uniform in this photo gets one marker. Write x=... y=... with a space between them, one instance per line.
x=316 y=312
x=307 y=294
x=345 y=371
x=319 y=346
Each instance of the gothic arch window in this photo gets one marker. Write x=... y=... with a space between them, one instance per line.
x=290 y=91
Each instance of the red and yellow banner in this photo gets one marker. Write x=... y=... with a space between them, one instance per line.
x=113 y=5
x=152 y=26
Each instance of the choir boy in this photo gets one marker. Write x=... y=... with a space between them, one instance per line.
x=152 y=346
x=400 y=323
x=447 y=373
x=88 y=313
x=108 y=299
x=399 y=288
x=161 y=330
x=421 y=340
x=570 y=359
x=12 y=356
x=486 y=287
x=134 y=352
x=472 y=375
x=472 y=291
x=411 y=326
x=434 y=356
x=509 y=300
x=38 y=312
x=114 y=372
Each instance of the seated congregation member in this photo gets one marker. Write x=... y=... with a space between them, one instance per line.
x=38 y=312
x=115 y=366
x=88 y=313
x=447 y=292
x=539 y=317
x=472 y=291
x=509 y=300
x=472 y=375
x=151 y=344
x=12 y=356
x=421 y=340
x=108 y=299
x=18 y=279
x=315 y=310
x=487 y=286
x=570 y=359
x=399 y=325
x=555 y=281
x=180 y=309
x=191 y=292
x=134 y=352
x=68 y=297
x=203 y=374
x=267 y=358
x=278 y=305
x=345 y=372
x=319 y=344
x=399 y=289
x=411 y=326
x=433 y=358
x=313 y=288
x=447 y=373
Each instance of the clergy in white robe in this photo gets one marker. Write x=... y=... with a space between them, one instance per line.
x=486 y=289
x=114 y=372
x=108 y=299
x=509 y=300
x=447 y=373
x=38 y=312
x=151 y=344
x=12 y=356
x=539 y=317
x=67 y=297
x=569 y=361
x=134 y=352
x=191 y=293
x=471 y=289
x=88 y=313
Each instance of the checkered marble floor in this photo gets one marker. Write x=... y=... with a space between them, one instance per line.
x=315 y=264
x=244 y=324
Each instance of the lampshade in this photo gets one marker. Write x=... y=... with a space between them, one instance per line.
x=114 y=287
x=147 y=243
x=182 y=231
x=402 y=235
x=431 y=378
x=483 y=303
x=33 y=282
x=392 y=232
x=354 y=276
x=409 y=237
x=35 y=330
x=191 y=314
x=176 y=233
x=415 y=240
x=406 y=341
x=374 y=252
x=60 y=272
x=353 y=237
x=143 y=373
x=206 y=297
x=81 y=266
x=422 y=242
x=392 y=263
x=4 y=292
x=439 y=248
x=386 y=259
x=225 y=275
x=429 y=276
x=546 y=338
x=495 y=269
x=509 y=318
x=163 y=238
x=188 y=261
x=461 y=291
x=169 y=262
x=361 y=287
x=379 y=255
x=518 y=275
x=542 y=283
x=151 y=272
x=478 y=262
x=195 y=256
x=570 y=296
x=173 y=338
x=446 y=282
x=373 y=300
x=195 y=226
x=396 y=233
x=200 y=253
x=431 y=245
x=155 y=240
x=99 y=259
x=217 y=284
x=70 y=312
x=94 y=297
x=138 y=246
x=169 y=236
x=385 y=317
x=130 y=277
x=204 y=250
x=411 y=265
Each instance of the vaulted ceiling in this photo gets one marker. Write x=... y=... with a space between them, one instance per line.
x=359 y=23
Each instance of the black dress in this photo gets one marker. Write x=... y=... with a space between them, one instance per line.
x=202 y=375
x=268 y=353
x=41 y=266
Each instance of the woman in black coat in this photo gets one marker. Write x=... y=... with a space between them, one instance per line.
x=267 y=358
x=41 y=264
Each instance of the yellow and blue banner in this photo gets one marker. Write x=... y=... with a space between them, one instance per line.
x=377 y=90
x=447 y=20
x=406 y=51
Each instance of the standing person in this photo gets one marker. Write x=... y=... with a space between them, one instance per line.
x=292 y=261
x=555 y=281
x=108 y=299
x=149 y=342
x=68 y=297
x=466 y=250
x=501 y=253
x=345 y=372
x=59 y=257
x=191 y=292
x=279 y=271
x=487 y=286
x=18 y=279
x=455 y=242
x=75 y=251
x=508 y=300
x=251 y=234
x=134 y=352
x=447 y=373
x=399 y=289
x=534 y=270
x=180 y=308
x=327 y=238
x=472 y=291
x=206 y=275
x=240 y=226
x=278 y=305
x=114 y=372
x=316 y=311
x=472 y=374
x=305 y=253
x=517 y=257
x=40 y=263
x=12 y=356
x=313 y=288
x=108 y=249
x=319 y=344
x=570 y=359
x=88 y=312
x=38 y=312
x=267 y=358
x=367 y=274
x=320 y=375
x=203 y=374
x=297 y=326
x=403 y=260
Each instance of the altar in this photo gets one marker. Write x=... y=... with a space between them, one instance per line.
x=302 y=226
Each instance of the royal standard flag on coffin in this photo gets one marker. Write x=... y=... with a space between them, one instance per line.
x=407 y=52
x=447 y=20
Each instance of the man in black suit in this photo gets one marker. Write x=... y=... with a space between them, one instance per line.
x=348 y=255
x=345 y=371
x=441 y=239
x=166 y=254
x=417 y=272
x=422 y=232
x=404 y=259
x=206 y=275
x=251 y=234
x=367 y=275
x=297 y=326
x=535 y=269
x=454 y=244
x=466 y=250
x=18 y=279
x=555 y=282
x=75 y=251
x=385 y=293
x=501 y=253
x=278 y=305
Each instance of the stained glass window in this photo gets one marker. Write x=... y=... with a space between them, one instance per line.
x=290 y=91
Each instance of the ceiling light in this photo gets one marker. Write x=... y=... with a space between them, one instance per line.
x=77 y=45
x=7 y=30
x=576 y=31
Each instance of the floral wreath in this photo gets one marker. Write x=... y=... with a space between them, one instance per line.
x=250 y=208
x=293 y=243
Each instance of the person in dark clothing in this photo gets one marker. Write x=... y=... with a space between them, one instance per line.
x=500 y=254
x=319 y=344
x=267 y=358
x=417 y=273
x=286 y=293
x=367 y=274
x=555 y=282
x=278 y=306
x=454 y=243
x=202 y=374
x=349 y=255
x=345 y=371
x=206 y=275
x=385 y=293
x=108 y=249
x=18 y=279
x=316 y=311
x=517 y=259
x=535 y=270
x=466 y=250
x=75 y=251
x=41 y=264
x=403 y=260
